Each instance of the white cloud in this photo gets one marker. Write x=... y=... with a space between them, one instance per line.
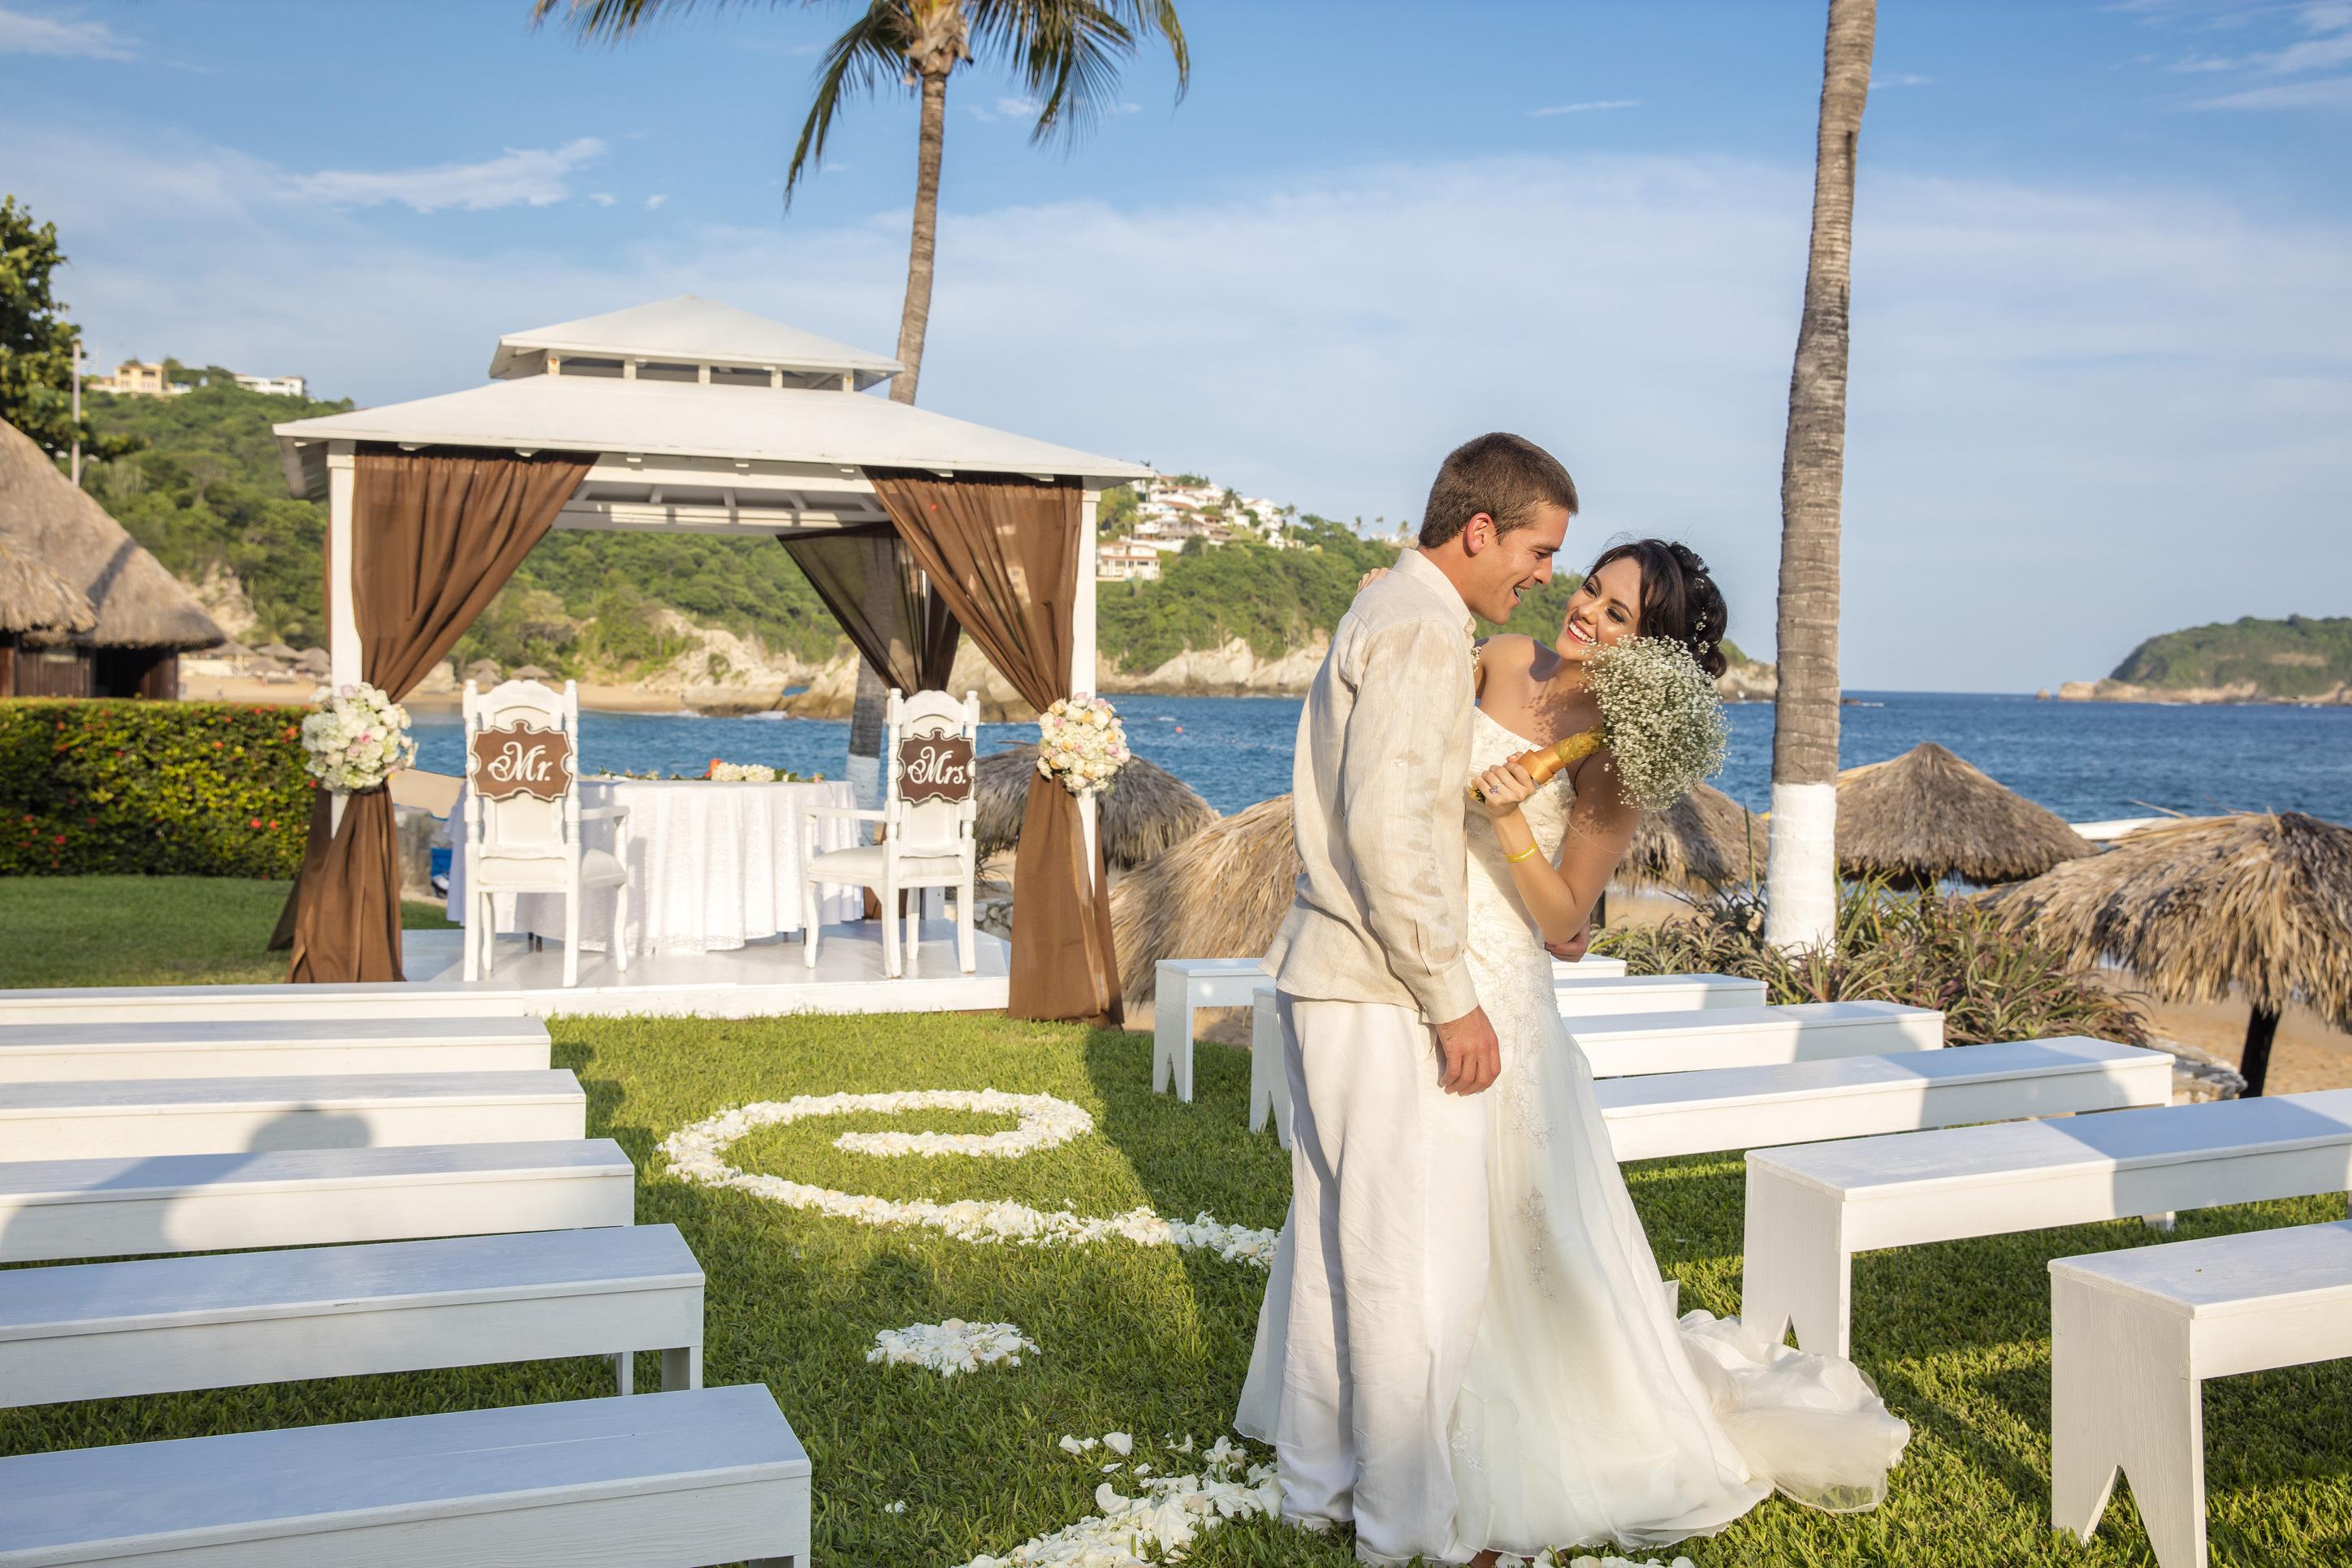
x=1585 y=108
x=531 y=176
x=1901 y=78
x=2053 y=387
x=23 y=32
x=603 y=198
x=2328 y=92
x=654 y=203
x=1005 y=109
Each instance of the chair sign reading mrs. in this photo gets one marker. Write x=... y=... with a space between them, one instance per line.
x=928 y=827
x=523 y=817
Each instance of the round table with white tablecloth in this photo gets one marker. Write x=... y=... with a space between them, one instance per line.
x=711 y=866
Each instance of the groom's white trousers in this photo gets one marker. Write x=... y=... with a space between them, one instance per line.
x=1382 y=1273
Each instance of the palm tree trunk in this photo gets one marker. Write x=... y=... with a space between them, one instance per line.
x=915 y=317
x=1801 y=875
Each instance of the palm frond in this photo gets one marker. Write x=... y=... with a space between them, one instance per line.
x=873 y=49
x=1068 y=53
x=610 y=21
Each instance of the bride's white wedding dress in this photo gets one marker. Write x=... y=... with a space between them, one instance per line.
x=1591 y=1413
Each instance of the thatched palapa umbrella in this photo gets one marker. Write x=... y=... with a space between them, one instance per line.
x=35 y=597
x=1221 y=893
x=1927 y=815
x=1706 y=840
x=313 y=662
x=1150 y=813
x=2196 y=908
x=280 y=651
x=530 y=673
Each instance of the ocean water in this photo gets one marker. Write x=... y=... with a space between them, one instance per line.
x=2086 y=762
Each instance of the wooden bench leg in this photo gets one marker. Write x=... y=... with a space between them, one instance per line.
x=2122 y=1396
x=1795 y=1269
x=682 y=1368
x=1171 y=1040
x=1269 y=1094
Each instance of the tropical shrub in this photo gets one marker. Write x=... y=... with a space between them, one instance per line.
x=158 y=788
x=1922 y=949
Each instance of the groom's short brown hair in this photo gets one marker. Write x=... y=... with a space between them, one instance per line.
x=1504 y=476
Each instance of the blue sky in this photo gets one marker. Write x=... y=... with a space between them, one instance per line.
x=2101 y=379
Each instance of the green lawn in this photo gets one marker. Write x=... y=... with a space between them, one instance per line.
x=1152 y=1341
x=147 y=930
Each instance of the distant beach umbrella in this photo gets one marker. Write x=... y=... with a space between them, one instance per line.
x=280 y=651
x=35 y=597
x=483 y=673
x=313 y=662
x=1927 y=815
x=2254 y=904
x=1221 y=893
x=528 y=673
x=1705 y=841
x=1150 y=813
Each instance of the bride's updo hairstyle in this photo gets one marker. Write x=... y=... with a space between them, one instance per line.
x=1679 y=599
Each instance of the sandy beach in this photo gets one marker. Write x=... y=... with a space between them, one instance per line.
x=594 y=697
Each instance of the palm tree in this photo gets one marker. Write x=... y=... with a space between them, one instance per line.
x=1802 y=875
x=1064 y=53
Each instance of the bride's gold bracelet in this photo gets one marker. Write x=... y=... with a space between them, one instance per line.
x=1523 y=855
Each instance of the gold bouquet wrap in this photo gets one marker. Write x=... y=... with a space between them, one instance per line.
x=1546 y=761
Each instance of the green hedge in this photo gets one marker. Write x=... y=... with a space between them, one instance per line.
x=155 y=789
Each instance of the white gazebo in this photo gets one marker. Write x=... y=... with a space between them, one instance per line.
x=704 y=419
x=691 y=417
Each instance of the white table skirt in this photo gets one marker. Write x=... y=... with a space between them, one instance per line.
x=711 y=866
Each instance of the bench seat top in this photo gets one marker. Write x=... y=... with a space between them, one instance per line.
x=307 y=1281
x=2215 y=1276
x=229 y=1032
x=132 y=1177
x=1898 y=1164
x=1732 y=1020
x=304 y=1092
x=191 y=1492
x=1667 y=1094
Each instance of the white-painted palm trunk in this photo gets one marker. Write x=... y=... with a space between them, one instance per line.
x=1801 y=867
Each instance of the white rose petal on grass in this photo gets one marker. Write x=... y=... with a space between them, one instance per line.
x=1118 y=1443
x=899 y=1507
x=1159 y=1525
x=951 y=1347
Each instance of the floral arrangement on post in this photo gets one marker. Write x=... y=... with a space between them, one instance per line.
x=1082 y=746
x=354 y=737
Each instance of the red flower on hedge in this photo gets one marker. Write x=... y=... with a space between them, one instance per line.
x=254 y=823
x=59 y=839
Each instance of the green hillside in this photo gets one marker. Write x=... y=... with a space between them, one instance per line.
x=2299 y=656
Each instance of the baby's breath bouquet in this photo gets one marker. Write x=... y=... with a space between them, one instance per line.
x=1082 y=746
x=1659 y=719
x=354 y=737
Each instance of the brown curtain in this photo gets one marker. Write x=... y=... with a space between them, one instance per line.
x=435 y=538
x=876 y=590
x=1005 y=555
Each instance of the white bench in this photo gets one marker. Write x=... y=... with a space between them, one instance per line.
x=212 y=1116
x=1181 y=987
x=1589 y=967
x=1622 y=1044
x=1810 y=1209
x=666 y=1480
x=250 y=1048
x=1743 y=1107
x=1269 y=1085
x=181 y=1004
x=1654 y=994
x=96 y=1330
x=2135 y=1334
x=52 y=1209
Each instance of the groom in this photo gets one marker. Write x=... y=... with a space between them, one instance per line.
x=1386 y=1046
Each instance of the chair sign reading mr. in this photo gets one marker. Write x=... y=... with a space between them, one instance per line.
x=523 y=817
x=928 y=827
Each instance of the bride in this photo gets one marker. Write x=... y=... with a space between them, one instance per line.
x=1590 y=1413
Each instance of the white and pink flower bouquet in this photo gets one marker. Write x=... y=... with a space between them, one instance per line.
x=1082 y=746
x=354 y=737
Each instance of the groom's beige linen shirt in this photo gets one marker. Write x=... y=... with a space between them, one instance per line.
x=1382 y=760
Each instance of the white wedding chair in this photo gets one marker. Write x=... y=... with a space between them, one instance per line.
x=527 y=839
x=926 y=841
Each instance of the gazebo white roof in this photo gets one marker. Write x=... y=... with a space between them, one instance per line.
x=690 y=329
x=701 y=423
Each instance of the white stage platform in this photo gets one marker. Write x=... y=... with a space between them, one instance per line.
x=763 y=979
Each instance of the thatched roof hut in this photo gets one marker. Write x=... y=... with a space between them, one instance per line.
x=1927 y=815
x=1705 y=841
x=2255 y=903
x=483 y=672
x=1221 y=893
x=1150 y=813
x=529 y=673
x=144 y=618
x=34 y=598
x=313 y=662
x=277 y=651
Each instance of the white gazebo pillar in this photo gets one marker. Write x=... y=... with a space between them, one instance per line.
x=1082 y=644
x=342 y=603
